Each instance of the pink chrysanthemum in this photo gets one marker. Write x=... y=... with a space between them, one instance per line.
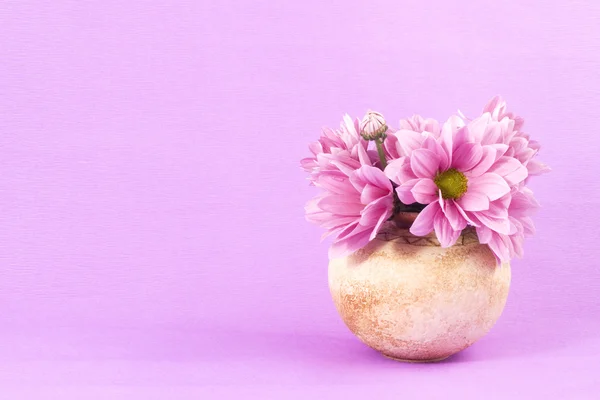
x=497 y=108
x=459 y=176
x=342 y=143
x=413 y=130
x=466 y=172
x=505 y=247
x=357 y=200
x=520 y=146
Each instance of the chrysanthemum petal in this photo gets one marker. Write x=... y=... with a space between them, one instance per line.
x=467 y=156
x=510 y=169
x=488 y=157
x=424 y=163
x=399 y=171
x=404 y=192
x=474 y=201
x=341 y=205
x=425 y=191
x=536 y=167
x=408 y=141
x=492 y=185
x=423 y=224
x=348 y=245
x=452 y=212
x=495 y=224
x=444 y=232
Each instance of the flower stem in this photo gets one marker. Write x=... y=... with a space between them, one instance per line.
x=379 y=144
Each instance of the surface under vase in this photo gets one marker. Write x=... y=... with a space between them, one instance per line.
x=412 y=300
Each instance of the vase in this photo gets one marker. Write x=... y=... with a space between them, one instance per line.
x=412 y=300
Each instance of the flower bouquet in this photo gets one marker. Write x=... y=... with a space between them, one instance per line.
x=425 y=219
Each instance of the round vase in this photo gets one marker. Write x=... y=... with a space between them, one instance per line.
x=412 y=300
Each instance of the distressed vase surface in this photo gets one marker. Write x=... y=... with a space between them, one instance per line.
x=412 y=300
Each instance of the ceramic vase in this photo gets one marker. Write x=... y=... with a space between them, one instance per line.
x=412 y=300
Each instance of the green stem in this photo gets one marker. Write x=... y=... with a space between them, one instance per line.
x=379 y=144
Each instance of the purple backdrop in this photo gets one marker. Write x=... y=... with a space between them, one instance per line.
x=152 y=237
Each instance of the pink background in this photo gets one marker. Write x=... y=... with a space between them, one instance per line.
x=152 y=237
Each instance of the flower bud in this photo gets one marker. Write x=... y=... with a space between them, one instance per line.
x=373 y=126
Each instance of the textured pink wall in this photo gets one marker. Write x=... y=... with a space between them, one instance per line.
x=149 y=152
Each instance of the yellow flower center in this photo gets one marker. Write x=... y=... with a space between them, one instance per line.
x=452 y=183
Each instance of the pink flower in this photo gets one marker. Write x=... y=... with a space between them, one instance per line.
x=413 y=130
x=465 y=172
x=419 y=124
x=506 y=246
x=497 y=108
x=459 y=176
x=357 y=200
x=519 y=144
x=335 y=144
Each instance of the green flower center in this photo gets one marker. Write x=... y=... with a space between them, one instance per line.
x=452 y=183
